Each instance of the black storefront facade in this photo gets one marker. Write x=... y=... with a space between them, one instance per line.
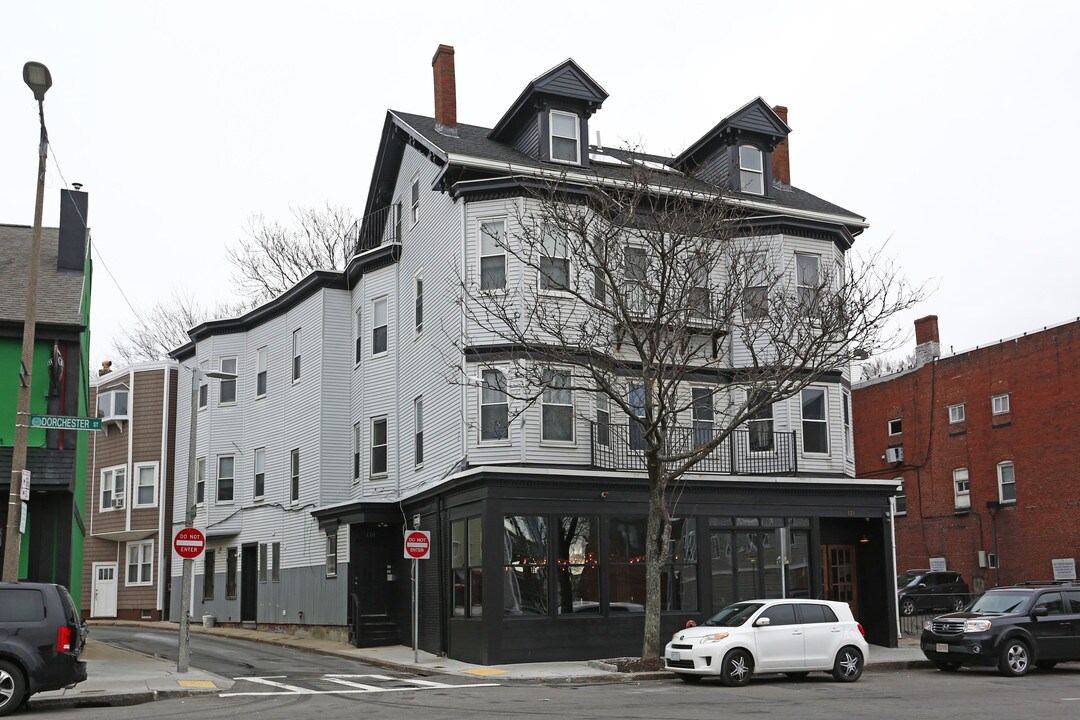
x=539 y=564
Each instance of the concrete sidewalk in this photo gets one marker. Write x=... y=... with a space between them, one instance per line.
x=118 y=677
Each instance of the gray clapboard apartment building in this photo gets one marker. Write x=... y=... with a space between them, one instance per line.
x=343 y=429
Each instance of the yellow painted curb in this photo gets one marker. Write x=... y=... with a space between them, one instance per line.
x=485 y=672
x=197 y=683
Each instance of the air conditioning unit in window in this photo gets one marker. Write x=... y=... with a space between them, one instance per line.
x=118 y=502
x=894 y=454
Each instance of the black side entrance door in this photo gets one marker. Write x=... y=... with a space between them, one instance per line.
x=249 y=583
x=371 y=568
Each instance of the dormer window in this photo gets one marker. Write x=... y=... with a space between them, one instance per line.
x=565 y=138
x=113 y=404
x=751 y=170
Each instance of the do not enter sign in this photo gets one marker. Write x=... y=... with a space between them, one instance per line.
x=417 y=545
x=189 y=543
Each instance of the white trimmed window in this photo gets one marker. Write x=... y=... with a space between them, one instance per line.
x=379 y=446
x=204 y=388
x=262 y=356
x=808 y=277
x=296 y=355
x=896 y=426
x=956 y=413
x=554 y=262
x=565 y=137
x=999 y=404
x=849 y=436
x=557 y=413
x=358 y=441
x=901 y=497
x=359 y=335
x=113 y=487
x=415 y=199
x=112 y=404
x=751 y=170
x=1006 y=473
x=494 y=407
x=200 y=481
x=331 y=553
x=635 y=398
x=702 y=416
x=418 y=431
x=226 y=467
x=378 y=327
x=140 y=563
x=146 y=485
x=961 y=489
x=603 y=419
x=760 y=426
x=418 y=305
x=294 y=475
x=227 y=388
x=493 y=254
x=815 y=421
x=260 y=474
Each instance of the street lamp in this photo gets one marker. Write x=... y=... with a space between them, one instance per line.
x=184 y=654
x=37 y=78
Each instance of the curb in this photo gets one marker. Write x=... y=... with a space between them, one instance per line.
x=113 y=699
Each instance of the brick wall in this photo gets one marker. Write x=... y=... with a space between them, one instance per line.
x=1040 y=435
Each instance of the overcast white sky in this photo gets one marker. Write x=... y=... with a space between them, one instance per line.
x=949 y=125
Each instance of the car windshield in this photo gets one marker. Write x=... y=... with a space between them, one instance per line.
x=1002 y=602
x=733 y=615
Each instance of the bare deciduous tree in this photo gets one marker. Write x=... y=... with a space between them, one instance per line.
x=625 y=294
x=882 y=365
x=165 y=328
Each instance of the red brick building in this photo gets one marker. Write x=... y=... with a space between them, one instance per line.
x=983 y=442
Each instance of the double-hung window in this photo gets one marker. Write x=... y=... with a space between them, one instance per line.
x=999 y=404
x=232 y=558
x=901 y=497
x=557 y=421
x=815 y=423
x=636 y=270
x=554 y=262
x=146 y=485
x=140 y=563
x=494 y=407
x=1006 y=473
x=849 y=437
x=956 y=413
x=760 y=426
x=227 y=388
x=331 y=553
x=961 y=489
x=635 y=398
x=226 y=468
x=699 y=294
x=807 y=271
x=565 y=137
x=113 y=487
x=418 y=305
x=262 y=360
x=751 y=170
x=358 y=440
x=204 y=389
x=358 y=355
x=260 y=474
x=294 y=475
x=378 y=327
x=493 y=254
x=701 y=409
x=296 y=355
x=200 y=481
x=379 y=445
x=418 y=431
x=603 y=419
x=415 y=199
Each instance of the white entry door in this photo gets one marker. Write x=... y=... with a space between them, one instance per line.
x=103 y=603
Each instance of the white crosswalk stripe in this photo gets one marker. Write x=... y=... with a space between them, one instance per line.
x=347 y=684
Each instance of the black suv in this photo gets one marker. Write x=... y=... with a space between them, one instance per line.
x=1010 y=627
x=41 y=637
x=928 y=590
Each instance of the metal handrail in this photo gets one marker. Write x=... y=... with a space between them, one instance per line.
x=376 y=229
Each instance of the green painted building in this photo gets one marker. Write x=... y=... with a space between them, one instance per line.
x=52 y=545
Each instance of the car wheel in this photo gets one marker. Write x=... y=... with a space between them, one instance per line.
x=797 y=675
x=12 y=688
x=849 y=664
x=907 y=606
x=689 y=678
x=946 y=665
x=736 y=668
x=1015 y=659
x=1046 y=664
x=958 y=604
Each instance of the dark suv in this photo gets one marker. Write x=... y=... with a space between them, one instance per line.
x=1010 y=627
x=929 y=590
x=41 y=637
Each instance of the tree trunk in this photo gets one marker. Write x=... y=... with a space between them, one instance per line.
x=658 y=532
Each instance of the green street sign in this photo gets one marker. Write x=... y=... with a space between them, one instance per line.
x=64 y=422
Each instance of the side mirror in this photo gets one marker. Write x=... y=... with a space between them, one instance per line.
x=763 y=622
x=922 y=586
x=1040 y=612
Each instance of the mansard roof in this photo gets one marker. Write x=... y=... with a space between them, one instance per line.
x=566 y=81
x=754 y=120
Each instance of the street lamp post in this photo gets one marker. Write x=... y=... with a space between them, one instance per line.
x=37 y=78
x=184 y=654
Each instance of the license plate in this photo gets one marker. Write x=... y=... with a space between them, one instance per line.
x=675 y=656
x=941 y=648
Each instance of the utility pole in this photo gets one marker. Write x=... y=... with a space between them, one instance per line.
x=38 y=79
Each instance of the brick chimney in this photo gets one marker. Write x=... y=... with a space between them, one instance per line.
x=781 y=168
x=927 y=347
x=442 y=66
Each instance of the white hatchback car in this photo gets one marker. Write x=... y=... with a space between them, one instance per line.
x=787 y=636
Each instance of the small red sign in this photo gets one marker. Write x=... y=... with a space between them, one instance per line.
x=189 y=543
x=417 y=545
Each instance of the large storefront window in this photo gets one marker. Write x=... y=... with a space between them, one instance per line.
x=626 y=565
x=747 y=561
x=466 y=563
x=679 y=584
x=525 y=565
x=578 y=556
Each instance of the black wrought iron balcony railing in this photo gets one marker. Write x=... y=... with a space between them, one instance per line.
x=744 y=452
x=376 y=229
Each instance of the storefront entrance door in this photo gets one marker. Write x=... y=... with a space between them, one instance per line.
x=841 y=581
